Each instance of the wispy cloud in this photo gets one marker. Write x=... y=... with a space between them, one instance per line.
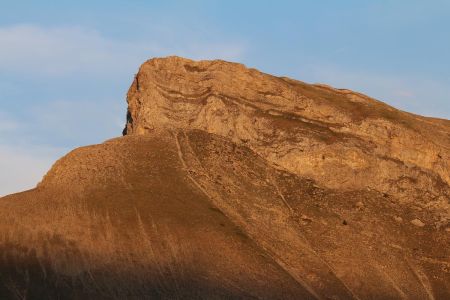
x=22 y=167
x=34 y=133
x=22 y=164
x=66 y=50
x=30 y=145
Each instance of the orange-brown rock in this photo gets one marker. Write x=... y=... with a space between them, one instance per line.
x=231 y=183
x=339 y=138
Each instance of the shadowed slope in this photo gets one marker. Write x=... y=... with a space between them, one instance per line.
x=189 y=214
x=146 y=230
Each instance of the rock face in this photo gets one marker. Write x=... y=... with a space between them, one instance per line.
x=231 y=183
x=339 y=138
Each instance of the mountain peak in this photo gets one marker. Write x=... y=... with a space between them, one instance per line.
x=230 y=183
x=340 y=138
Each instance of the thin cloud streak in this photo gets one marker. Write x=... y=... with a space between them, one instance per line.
x=24 y=166
x=51 y=54
x=57 y=51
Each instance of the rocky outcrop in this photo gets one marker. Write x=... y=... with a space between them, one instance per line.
x=234 y=184
x=339 y=138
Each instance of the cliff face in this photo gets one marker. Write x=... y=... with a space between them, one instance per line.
x=231 y=183
x=339 y=138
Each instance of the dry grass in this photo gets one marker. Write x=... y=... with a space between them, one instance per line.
x=68 y=244
x=200 y=217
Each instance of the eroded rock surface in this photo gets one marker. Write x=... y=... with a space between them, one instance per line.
x=339 y=138
x=234 y=184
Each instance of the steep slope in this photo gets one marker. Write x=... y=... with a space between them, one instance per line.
x=339 y=138
x=231 y=183
x=123 y=219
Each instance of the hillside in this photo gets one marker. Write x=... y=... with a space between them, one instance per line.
x=232 y=183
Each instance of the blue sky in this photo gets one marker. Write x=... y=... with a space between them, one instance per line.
x=65 y=66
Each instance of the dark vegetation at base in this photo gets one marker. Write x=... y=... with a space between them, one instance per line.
x=24 y=276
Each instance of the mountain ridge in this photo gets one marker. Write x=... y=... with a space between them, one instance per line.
x=269 y=102
x=231 y=183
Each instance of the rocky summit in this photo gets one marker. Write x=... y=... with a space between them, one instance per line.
x=234 y=184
